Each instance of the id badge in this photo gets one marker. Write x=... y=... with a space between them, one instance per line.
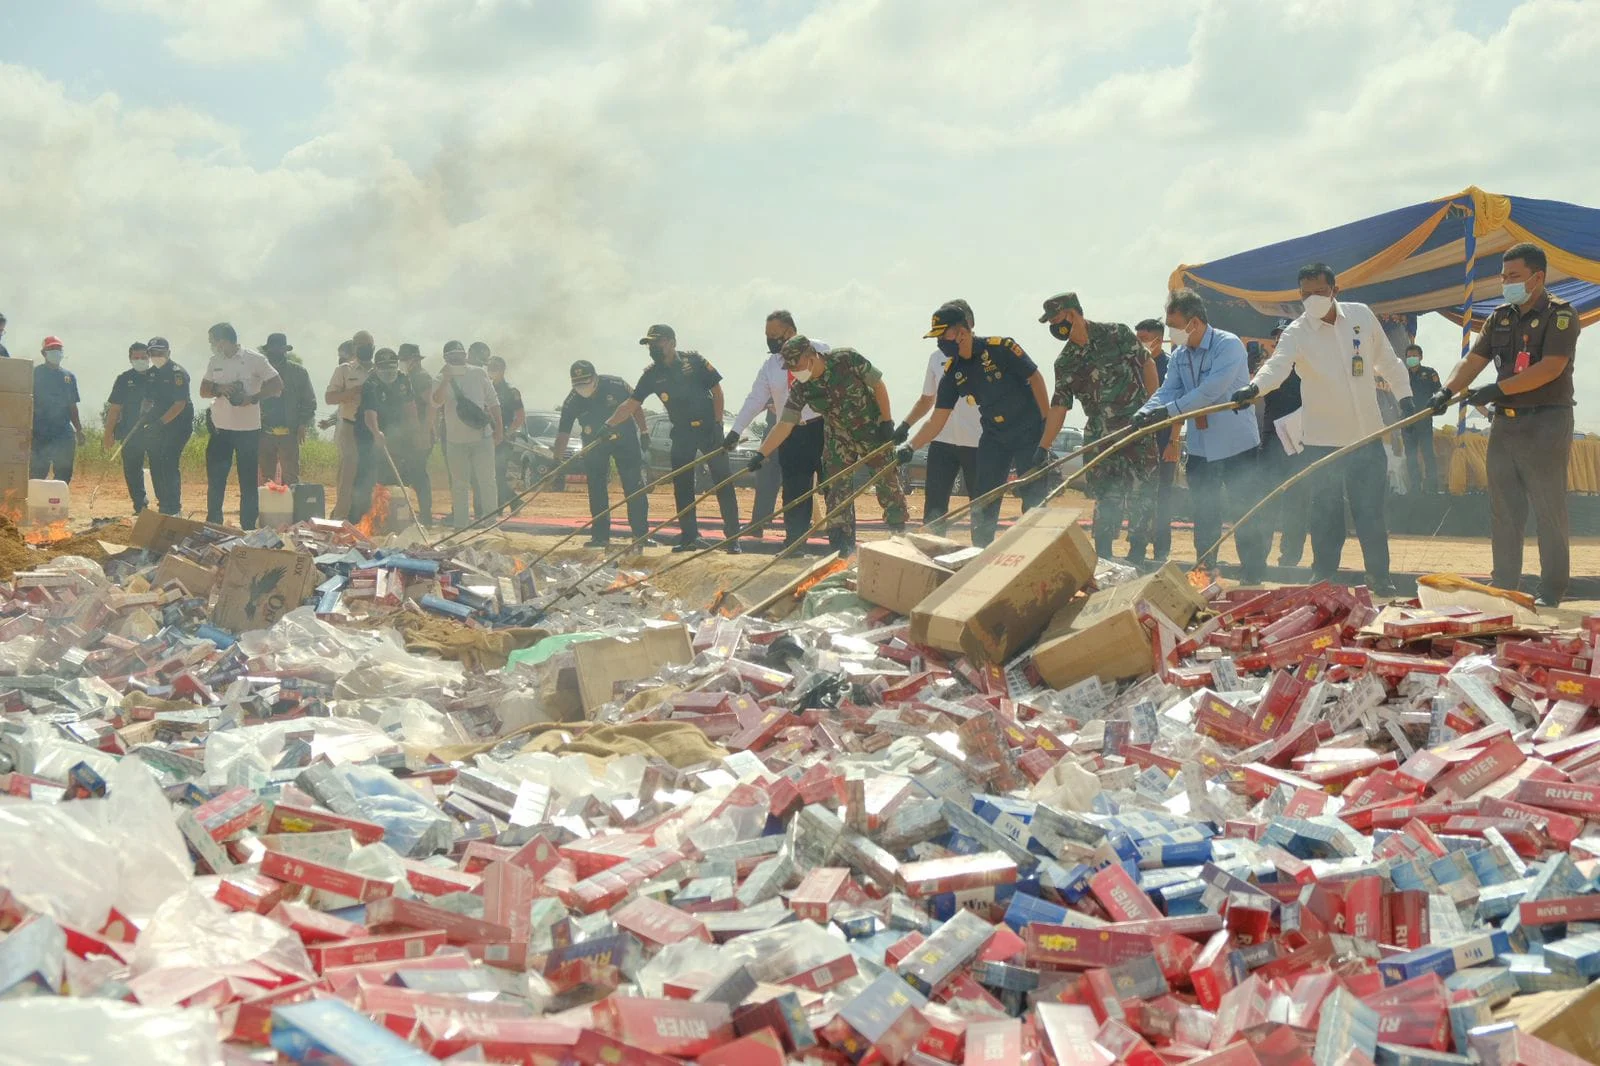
x=1358 y=366
x=1524 y=358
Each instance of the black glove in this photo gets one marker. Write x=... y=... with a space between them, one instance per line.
x=1408 y=406
x=756 y=462
x=560 y=483
x=886 y=432
x=1440 y=402
x=1041 y=456
x=1245 y=397
x=730 y=441
x=1486 y=394
x=1147 y=418
x=904 y=455
x=902 y=432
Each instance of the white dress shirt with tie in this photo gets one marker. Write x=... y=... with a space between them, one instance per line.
x=1339 y=398
x=772 y=386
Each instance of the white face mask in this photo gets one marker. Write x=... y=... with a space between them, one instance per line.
x=1317 y=306
x=1178 y=335
x=801 y=375
x=158 y=360
x=140 y=364
x=585 y=391
x=54 y=356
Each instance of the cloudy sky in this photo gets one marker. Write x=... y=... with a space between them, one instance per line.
x=554 y=175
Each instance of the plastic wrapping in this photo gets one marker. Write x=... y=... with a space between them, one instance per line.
x=93 y=1032
x=191 y=930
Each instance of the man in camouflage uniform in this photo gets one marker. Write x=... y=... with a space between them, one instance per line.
x=850 y=395
x=1105 y=367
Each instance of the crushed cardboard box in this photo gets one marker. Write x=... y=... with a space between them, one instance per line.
x=602 y=664
x=1101 y=635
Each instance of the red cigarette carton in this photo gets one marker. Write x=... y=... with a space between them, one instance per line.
x=817 y=894
x=291 y=818
x=1495 y=761
x=1122 y=898
x=389 y=948
x=229 y=814
x=666 y=1026
x=657 y=924
x=318 y=875
x=1068 y=947
x=994 y=1043
x=391 y=915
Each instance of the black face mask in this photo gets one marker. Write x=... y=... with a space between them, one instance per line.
x=949 y=347
x=658 y=353
x=1061 y=330
x=774 y=344
x=364 y=353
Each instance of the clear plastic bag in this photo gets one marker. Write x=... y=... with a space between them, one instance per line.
x=193 y=930
x=91 y=1032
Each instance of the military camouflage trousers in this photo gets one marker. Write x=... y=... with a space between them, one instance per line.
x=838 y=452
x=1124 y=487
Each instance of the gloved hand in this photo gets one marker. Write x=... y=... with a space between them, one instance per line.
x=902 y=432
x=731 y=440
x=757 y=461
x=1440 y=401
x=1486 y=394
x=559 y=484
x=1245 y=396
x=1408 y=406
x=1041 y=456
x=886 y=432
x=903 y=455
x=1147 y=417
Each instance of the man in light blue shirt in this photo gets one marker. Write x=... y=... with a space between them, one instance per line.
x=1206 y=368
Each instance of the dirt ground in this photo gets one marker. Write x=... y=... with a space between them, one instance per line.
x=1409 y=554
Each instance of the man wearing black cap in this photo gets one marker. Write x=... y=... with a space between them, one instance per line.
x=285 y=419
x=236 y=380
x=386 y=428
x=690 y=388
x=1012 y=403
x=172 y=414
x=595 y=398
x=127 y=421
x=955 y=450
x=427 y=416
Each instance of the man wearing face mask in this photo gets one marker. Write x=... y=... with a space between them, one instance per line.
x=1105 y=367
x=593 y=399
x=236 y=380
x=1532 y=342
x=56 y=428
x=1169 y=446
x=1337 y=347
x=172 y=424
x=386 y=428
x=1206 y=366
x=513 y=416
x=854 y=402
x=1012 y=406
x=478 y=355
x=344 y=389
x=287 y=417
x=690 y=388
x=427 y=420
x=472 y=430
x=127 y=421
x=799 y=463
x=1422 y=462
x=955 y=449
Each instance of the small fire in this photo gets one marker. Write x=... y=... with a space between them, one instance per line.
x=1200 y=577
x=57 y=530
x=377 y=516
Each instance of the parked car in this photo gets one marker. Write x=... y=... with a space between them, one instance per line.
x=658 y=453
x=533 y=450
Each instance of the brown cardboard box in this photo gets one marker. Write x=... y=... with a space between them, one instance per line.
x=1566 y=1019
x=895 y=574
x=14 y=485
x=1101 y=635
x=16 y=410
x=157 y=532
x=603 y=663
x=998 y=603
x=198 y=580
x=260 y=585
x=16 y=375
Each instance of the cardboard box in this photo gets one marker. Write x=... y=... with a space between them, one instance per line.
x=14 y=482
x=197 y=580
x=1101 y=635
x=16 y=410
x=1002 y=600
x=1565 y=1019
x=260 y=585
x=16 y=375
x=895 y=574
x=602 y=663
x=157 y=533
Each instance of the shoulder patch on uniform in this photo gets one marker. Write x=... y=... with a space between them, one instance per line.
x=179 y=378
x=65 y=376
x=998 y=340
x=1563 y=320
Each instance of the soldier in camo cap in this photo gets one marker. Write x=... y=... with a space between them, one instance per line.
x=1104 y=367
x=848 y=392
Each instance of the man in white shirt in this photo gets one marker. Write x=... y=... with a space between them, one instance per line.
x=1337 y=348
x=800 y=456
x=955 y=449
x=236 y=380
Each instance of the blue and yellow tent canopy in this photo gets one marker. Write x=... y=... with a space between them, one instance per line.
x=1410 y=261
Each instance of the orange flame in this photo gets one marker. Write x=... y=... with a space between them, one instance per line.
x=1200 y=577
x=377 y=516
x=57 y=530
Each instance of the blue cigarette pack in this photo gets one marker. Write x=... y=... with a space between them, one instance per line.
x=34 y=953
x=322 y=1028
x=1025 y=908
x=1444 y=959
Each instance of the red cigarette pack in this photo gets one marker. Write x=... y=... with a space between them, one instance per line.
x=658 y=924
x=326 y=878
x=391 y=915
x=665 y=1026
x=314 y=926
x=1122 y=898
x=290 y=818
x=389 y=948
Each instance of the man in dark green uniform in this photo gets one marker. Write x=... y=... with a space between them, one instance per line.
x=848 y=392
x=1103 y=366
x=1531 y=341
x=1422 y=462
x=172 y=423
x=1012 y=403
x=386 y=427
x=427 y=420
x=127 y=421
x=593 y=399
x=56 y=429
x=690 y=388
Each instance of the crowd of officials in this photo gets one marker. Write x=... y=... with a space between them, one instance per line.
x=1322 y=382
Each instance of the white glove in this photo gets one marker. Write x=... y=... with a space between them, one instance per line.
x=1397 y=473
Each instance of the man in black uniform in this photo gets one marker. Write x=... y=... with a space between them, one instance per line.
x=1012 y=403
x=427 y=417
x=172 y=423
x=1420 y=454
x=1531 y=341
x=513 y=416
x=690 y=388
x=593 y=399
x=128 y=421
x=56 y=429
x=386 y=426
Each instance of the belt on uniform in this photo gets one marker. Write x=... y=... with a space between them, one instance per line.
x=1523 y=412
x=278 y=431
x=349 y=420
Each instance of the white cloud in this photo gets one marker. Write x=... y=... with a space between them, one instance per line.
x=553 y=177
